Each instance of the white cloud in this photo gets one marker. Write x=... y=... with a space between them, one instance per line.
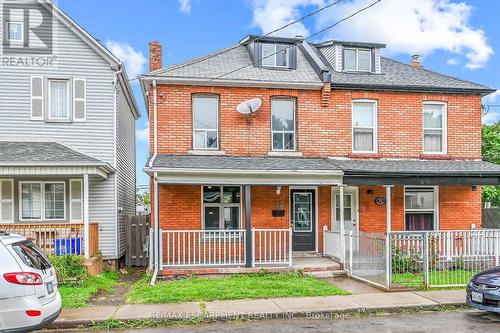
x=412 y=27
x=453 y=61
x=271 y=14
x=134 y=60
x=492 y=98
x=143 y=134
x=185 y=6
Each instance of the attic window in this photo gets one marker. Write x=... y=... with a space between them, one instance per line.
x=357 y=60
x=275 y=55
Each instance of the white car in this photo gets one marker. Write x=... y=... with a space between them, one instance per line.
x=29 y=298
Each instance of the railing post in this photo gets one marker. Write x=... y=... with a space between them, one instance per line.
x=86 y=218
x=253 y=247
x=160 y=250
x=351 y=248
x=496 y=248
x=388 y=260
x=325 y=228
x=426 y=260
x=290 y=247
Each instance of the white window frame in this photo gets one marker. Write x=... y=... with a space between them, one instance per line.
x=68 y=102
x=294 y=100
x=71 y=200
x=42 y=206
x=436 y=204
x=204 y=129
x=275 y=54
x=221 y=206
x=444 y=128
x=357 y=59
x=22 y=31
x=7 y=200
x=375 y=125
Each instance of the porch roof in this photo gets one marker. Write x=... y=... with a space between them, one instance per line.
x=419 y=172
x=23 y=157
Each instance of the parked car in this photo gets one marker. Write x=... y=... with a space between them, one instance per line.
x=29 y=297
x=483 y=290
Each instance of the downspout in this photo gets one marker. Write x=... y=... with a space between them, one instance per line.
x=115 y=152
x=155 y=181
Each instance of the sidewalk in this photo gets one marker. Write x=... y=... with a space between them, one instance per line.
x=262 y=308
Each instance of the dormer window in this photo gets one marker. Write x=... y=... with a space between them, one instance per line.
x=275 y=55
x=357 y=60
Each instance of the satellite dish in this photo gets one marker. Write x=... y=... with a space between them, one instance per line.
x=250 y=106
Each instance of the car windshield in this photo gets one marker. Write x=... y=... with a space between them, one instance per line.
x=31 y=255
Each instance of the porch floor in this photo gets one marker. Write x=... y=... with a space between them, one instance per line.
x=312 y=265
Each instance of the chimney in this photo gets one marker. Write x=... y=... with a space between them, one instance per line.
x=155 y=56
x=415 y=61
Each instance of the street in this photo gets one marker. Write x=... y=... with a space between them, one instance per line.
x=456 y=322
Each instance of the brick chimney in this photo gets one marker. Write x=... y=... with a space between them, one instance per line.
x=415 y=61
x=155 y=56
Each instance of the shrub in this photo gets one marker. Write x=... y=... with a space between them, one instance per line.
x=404 y=261
x=69 y=268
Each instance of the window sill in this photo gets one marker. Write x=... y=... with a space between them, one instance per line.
x=365 y=155
x=285 y=153
x=207 y=152
x=437 y=156
x=60 y=121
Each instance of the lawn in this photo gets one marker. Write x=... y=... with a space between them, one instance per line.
x=436 y=278
x=259 y=285
x=78 y=294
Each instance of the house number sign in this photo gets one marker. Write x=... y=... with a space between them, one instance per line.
x=380 y=201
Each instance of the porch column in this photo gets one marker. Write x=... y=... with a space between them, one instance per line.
x=388 y=208
x=86 y=217
x=248 y=226
x=342 y=224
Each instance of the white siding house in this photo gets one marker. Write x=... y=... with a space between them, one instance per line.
x=83 y=102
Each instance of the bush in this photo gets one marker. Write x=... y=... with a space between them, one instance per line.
x=69 y=268
x=405 y=261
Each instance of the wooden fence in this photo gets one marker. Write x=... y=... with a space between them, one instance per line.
x=137 y=232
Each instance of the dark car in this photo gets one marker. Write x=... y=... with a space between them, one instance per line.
x=483 y=290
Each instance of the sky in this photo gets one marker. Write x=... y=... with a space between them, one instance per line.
x=457 y=38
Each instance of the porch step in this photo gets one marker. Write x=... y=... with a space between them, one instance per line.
x=327 y=273
x=306 y=254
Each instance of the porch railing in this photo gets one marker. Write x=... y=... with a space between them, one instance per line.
x=201 y=248
x=58 y=238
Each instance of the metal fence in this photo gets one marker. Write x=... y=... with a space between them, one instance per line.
x=491 y=218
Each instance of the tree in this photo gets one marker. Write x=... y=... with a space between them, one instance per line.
x=491 y=153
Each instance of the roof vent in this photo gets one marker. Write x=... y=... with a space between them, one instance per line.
x=415 y=61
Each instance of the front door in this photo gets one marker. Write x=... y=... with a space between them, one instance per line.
x=303 y=219
x=350 y=211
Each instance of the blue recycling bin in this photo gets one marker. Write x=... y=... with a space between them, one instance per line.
x=66 y=246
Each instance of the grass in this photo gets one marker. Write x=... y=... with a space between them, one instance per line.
x=253 y=286
x=436 y=278
x=78 y=294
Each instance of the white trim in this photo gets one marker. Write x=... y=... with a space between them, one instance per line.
x=316 y=207
x=86 y=217
x=11 y=200
x=42 y=198
x=84 y=100
x=47 y=170
x=436 y=204
x=221 y=206
x=444 y=128
x=21 y=24
x=374 y=128
x=356 y=61
x=274 y=55
x=71 y=199
x=294 y=100
x=37 y=97
x=287 y=153
x=49 y=113
x=194 y=129
x=352 y=190
x=204 y=152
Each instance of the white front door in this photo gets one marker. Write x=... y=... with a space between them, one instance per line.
x=350 y=209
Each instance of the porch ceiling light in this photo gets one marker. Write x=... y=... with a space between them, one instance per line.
x=278 y=190
x=369 y=192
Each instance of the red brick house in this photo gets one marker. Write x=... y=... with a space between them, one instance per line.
x=345 y=139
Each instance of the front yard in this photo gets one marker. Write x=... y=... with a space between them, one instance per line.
x=78 y=294
x=436 y=278
x=253 y=286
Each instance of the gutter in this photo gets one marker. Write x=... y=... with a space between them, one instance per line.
x=482 y=92
x=115 y=153
x=157 y=235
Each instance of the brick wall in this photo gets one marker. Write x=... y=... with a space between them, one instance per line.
x=321 y=131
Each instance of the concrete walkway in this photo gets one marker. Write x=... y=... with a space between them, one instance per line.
x=262 y=308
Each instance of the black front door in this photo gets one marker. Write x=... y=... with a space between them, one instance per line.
x=303 y=219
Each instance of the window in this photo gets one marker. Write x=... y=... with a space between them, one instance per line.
x=275 y=55
x=205 y=122
x=42 y=200
x=420 y=208
x=221 y=207
x=283 y=123
x=16 y=32
x=434 y=128
x=358 y=60
x=58 y=99
x=364 y=126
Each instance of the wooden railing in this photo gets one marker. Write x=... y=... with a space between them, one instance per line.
x=58 y=238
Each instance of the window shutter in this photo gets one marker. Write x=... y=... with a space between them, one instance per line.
x=79 y=99
x=293 y=57
x=37 y=97
x=6 y=201
x=75 y=188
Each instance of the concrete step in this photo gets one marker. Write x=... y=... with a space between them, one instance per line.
x=326 y=273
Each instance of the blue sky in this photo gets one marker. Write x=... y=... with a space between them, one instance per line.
x=458 y=38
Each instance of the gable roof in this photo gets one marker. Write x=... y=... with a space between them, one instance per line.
x=115 y=63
